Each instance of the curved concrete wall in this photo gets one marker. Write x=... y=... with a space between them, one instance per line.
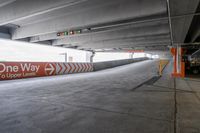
x=110 y=64
x=19 y=70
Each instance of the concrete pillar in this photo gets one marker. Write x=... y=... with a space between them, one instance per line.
x=151 y=56
x=131 y=55
x=65 y=54
x=91 y=57
x=179 y=65
x=179 y=57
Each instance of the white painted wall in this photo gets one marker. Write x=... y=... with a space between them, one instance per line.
x=106 y=56
x=102 y=56
x=21 y=51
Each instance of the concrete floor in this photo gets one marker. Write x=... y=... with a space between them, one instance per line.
x=109 y=101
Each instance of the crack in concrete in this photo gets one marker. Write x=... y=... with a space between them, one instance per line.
x=175 y=106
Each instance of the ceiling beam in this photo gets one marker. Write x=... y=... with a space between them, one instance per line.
x=146 y=50
x=158 y=25
x=110 y=13
x=127 y=33
x=123 y=41
x=121 y=44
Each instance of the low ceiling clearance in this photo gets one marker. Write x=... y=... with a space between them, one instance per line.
x=102 y=25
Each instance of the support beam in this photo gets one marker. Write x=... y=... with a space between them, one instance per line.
x=125 y=44
x=5 y=35
x=146 y=50
x=92 y=57
x=121 y=42
x=127 y=33
x=45 y=42
x=158 y=27
x=131 y=55
x=179 y=65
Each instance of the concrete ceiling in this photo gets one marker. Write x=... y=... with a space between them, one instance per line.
x=113 y=25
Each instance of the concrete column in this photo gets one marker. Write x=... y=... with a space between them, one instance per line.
x=65 y=54
x=91 y=57
x=131 y=55
x=178 y=59
x=179 y=66
x=151 y=56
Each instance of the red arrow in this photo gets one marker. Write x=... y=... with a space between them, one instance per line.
x=73 y=67
x=78 y=68
x=86 y=66
x=60 y=68
x=90 y=67
x=83 y=67
x=70 y=68
x=65 y=68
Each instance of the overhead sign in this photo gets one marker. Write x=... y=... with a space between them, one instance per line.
x=18 y=70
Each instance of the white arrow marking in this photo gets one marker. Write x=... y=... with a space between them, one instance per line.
x=50 y=69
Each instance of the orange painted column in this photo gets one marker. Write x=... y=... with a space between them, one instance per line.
x=176 y=54
x=182 y=69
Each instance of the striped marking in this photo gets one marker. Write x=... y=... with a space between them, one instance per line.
x=67 y=68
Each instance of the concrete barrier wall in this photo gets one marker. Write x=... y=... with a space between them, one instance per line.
x=110 y=64
x=19 y=70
